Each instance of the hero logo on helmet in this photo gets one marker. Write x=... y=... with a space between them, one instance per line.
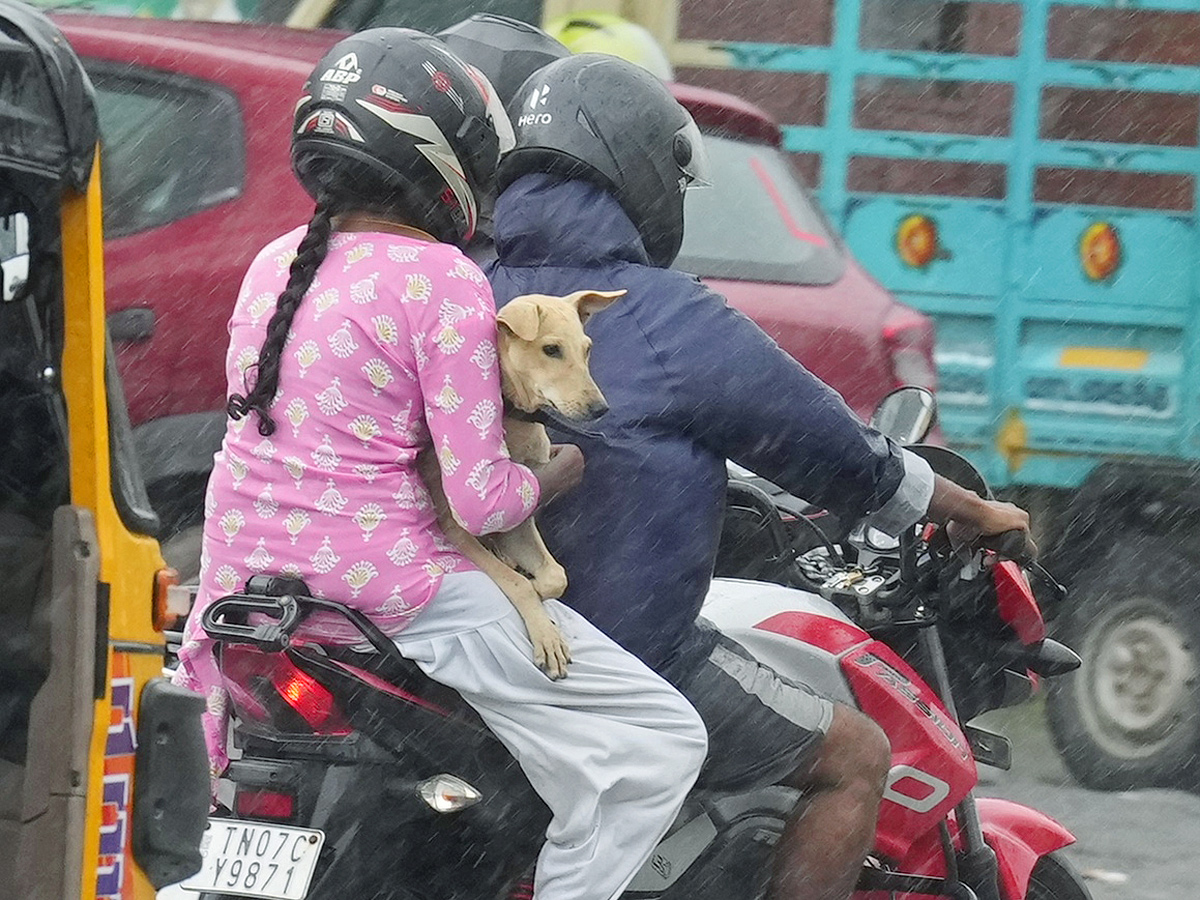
x=345 y=71
x=536 y=99
x=433 y=145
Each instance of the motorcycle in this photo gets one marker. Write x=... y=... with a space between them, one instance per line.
x=359 y=776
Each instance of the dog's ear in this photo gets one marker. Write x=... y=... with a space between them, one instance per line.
x=588 y=303
x=521 y=318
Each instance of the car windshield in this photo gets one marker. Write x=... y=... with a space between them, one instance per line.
x=757 y=222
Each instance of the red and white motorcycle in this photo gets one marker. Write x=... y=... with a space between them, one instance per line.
x=384 y=784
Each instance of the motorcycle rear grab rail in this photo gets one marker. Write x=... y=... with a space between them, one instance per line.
x=289 y=603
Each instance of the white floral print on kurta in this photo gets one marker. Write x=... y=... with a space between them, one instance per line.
x=265 y=504
x=418 y=287
x=325 y=457
x=307 y=354
x=378 y=373
x=264 y=450
x=365 y=428
x=386 y=330
x=295 y=523
x=364 y=531
x=369 y=517
x=325 y=301
x=295 y=468
x=485 y=357
x=483 y=416
x=364 y=291
x=296 y=412
x=330 y=401
x=342 y=342
x=260 y=305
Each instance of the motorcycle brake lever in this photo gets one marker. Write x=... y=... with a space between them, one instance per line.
x=1039 y=571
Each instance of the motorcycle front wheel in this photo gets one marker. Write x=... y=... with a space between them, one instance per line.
x=1054 y=878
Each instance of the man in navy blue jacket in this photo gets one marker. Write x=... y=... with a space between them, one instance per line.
x=593 y=198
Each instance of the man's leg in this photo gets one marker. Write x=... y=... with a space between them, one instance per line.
x=821 y=852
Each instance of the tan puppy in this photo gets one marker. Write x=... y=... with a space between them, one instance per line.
x=543 y=365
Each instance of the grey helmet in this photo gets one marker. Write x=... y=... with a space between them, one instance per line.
x=505 y=50
x=601 y=118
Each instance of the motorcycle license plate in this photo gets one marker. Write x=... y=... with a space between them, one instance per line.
x=254 y=859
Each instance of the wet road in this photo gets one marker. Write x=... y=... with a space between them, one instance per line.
x=1134 y=845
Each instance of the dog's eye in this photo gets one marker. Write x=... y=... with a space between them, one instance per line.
x=554 y=351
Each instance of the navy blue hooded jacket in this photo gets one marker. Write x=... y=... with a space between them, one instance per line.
x=689 y=382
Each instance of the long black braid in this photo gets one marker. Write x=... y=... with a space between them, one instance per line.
x=309 y=256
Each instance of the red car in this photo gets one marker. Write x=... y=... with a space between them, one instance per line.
x=195 y=121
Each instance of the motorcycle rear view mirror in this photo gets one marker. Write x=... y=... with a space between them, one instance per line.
x=906 y=415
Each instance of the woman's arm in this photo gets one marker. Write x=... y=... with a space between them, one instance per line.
x=454 y=340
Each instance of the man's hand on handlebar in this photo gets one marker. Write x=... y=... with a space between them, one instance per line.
x=970 y=519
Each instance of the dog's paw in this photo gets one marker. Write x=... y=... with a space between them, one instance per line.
x=550 y=582
x=550 y=651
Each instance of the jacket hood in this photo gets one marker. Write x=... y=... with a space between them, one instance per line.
x=545 y=220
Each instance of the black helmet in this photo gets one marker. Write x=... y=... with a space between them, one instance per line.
x=506 y=50
x=390 y=117
x=596 y=116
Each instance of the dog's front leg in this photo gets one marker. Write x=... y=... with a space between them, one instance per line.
x=550 y=651
x=524 y=548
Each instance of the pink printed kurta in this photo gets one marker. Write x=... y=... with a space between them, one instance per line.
x=393 y=349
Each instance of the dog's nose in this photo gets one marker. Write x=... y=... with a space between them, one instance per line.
x=596 y=409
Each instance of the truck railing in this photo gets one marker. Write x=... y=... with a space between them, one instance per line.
x=1068 y=332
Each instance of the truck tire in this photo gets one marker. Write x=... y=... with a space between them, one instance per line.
x=1129 y=717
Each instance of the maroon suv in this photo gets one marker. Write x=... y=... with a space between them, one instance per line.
x=195 y=122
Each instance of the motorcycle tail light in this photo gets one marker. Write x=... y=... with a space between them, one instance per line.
x=448 y=793
x=909 y=338
x=309 y=698
x=263 y=804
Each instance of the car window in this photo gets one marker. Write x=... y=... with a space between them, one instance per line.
x=757 y=222
x=172 y=146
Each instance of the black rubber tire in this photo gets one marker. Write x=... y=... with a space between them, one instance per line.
x=1056 y=879
x=1130 y=716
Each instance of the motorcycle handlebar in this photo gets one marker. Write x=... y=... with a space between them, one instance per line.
x=1011 y=544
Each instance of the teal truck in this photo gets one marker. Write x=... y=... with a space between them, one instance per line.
x=1027 y=173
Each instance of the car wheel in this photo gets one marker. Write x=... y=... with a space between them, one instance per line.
x=1130 y=715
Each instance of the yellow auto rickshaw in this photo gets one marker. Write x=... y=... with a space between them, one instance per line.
x=103 y=777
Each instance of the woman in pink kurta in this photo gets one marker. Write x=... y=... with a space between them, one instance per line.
x=355 y=344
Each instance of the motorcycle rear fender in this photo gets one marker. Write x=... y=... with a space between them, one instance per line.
x=1019 y=834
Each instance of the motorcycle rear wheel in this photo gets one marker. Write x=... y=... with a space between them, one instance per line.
x=1054 y=878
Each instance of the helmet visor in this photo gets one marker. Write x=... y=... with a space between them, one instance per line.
x=697 y=171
